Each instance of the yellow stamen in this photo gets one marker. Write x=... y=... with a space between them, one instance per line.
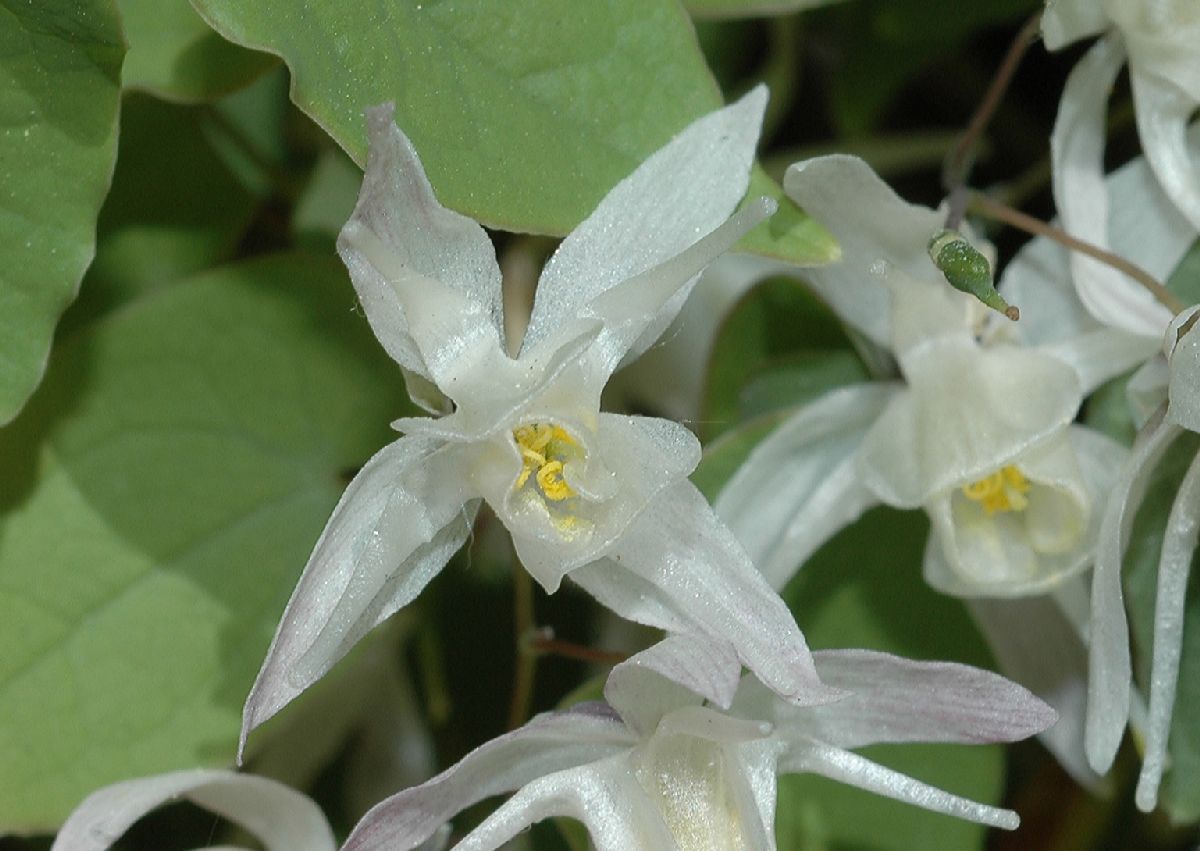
x=543 y=448
x=552 y=483
x=1004 y=490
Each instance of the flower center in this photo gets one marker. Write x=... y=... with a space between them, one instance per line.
x=1004 y=490
x=544 y=448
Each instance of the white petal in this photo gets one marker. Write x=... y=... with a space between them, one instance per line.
x=1162 y=116
x=427 y=277
x=968 y=412
x=1178 y=548
x=1077 y=154
x=1065 y=21
x=393 y=530
x=1110 y=671
x=1183 y=386
x=550 y=743
x=892 y=699
x=1036 y=645
x=880 y=236
x=282 y=818
x=850 y=768
x=678 y=671
x=679 y=569
x=683 y=191
x=800 y=485
x=639 y=457
x=1161 y=38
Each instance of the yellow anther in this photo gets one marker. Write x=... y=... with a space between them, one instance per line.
x=550 y=480
x=1004 y=490
x=543 y=448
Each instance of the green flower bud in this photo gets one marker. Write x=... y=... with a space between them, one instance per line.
x=967 y=270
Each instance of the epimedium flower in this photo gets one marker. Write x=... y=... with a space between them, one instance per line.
x=282 y=818
x=600 y=497
x=1157 y=40
x=657 y=768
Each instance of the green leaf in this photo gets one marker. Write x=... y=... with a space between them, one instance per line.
x=749 y=8
x=1185 y=279
x=1180 y=794
x=523 y=112
x=779 y=346
x=60 y=66
x=162 y=493
x=175 y=55
x=864 y=589
x=174 y=208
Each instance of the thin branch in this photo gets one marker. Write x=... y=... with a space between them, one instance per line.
x=552 y=647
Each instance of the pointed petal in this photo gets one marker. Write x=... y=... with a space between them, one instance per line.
x=1077 y=154
x=1065 y=21
x=282 y=818
x=800 y=485
x=394 y=528
x=892 y=699
x=1110 y=669
x=679 y=569
x=967 y=412
x=427 y=277
x=550 y=743
x=1036 y=645
x=850 y=768
x=1178 y=549
x=684 y=190
x=678 y=671
x=881 y=237
x=1163 y=112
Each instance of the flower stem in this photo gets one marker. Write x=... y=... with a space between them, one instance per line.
x=958 y=163
x=993 y=209
x=546 y=645
x=526 y=657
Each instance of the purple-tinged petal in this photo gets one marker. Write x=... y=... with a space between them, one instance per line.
x=1110 y=670
x=680 y=569
x=282 y=818
x=1178 y=549
x=393 y=530
x=545 y=747
x=684 y=190
x=800 y=485
x=855 y=770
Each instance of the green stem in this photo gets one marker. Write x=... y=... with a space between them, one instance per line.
x=526 y=657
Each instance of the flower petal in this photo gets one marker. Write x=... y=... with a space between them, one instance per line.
x=1065 y=21
x=1178 y=549
x=427 y=277
x=1110 y=670
x=282 y=818
x=968 y=412
x=881 y=237
x=542 y=749
x=684 y=190
x=850 y=768
x=1163 y=113
x=800 y=485
x=1183 y=384
x=1036 y=645
x=679 y=569
x=892 y=699
x=397 y=524
x=678 y=671
x=1077 y=154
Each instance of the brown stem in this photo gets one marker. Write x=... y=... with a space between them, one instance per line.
x=958 y=162
x=992 y=209
x=526 y=658
x=552 y=647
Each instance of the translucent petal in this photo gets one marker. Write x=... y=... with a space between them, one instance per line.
x=683 y=191
x=846 y=767
x=892 y=699
x=550 y=743
x=282 y=818
x=426 y=276
x=679 y=569
x=1178 y=549
x=800 y=485
x=393 y=530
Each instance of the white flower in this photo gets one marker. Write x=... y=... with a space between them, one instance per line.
x=979 y=433
x=282 y=818
x=1158 y=38
x=655 y=769
x=600 y=497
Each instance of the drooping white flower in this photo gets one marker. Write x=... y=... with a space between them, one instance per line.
x=655 y=769
x=1157 y=38
x=599 y=497
x=282 y=818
